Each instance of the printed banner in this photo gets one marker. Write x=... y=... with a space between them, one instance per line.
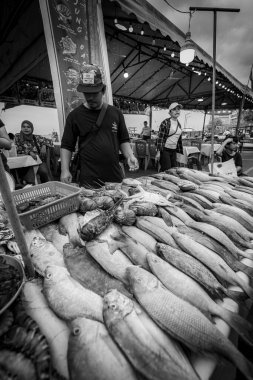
x=73 y=42
x=226 y=168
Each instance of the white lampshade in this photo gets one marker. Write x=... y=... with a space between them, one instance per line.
x=187 y=52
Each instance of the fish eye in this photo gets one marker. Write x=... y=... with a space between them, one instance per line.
x=76 y=331
x=48 y=275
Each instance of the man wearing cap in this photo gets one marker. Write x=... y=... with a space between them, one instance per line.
x=99 y=159
x=229 y=150
x=169 y=141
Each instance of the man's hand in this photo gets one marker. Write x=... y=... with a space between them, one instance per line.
x=33 y=155
x=66 y=176
x=157 y=157
x=133 y=163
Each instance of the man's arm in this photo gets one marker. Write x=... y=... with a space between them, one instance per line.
x=221 y=148
x=66 y=176
x=128 y=153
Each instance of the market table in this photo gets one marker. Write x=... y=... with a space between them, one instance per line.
x=23 y=162
x=183 y=158
x=206 y=149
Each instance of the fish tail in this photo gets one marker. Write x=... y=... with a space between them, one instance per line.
x=247 y=288
x=239 y=324
x=247 y=254
x=237 y=296
x=244 y=268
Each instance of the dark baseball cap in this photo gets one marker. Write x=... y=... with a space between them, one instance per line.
x=90 y=79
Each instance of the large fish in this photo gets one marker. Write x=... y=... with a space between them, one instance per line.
x=44 y=253
x=135 y=251
x=69 y=224
x=232 y=223
x=114 y=263
x=216 y=221
x=214 y=262
x=145 y=354
x=239 y=195
x=222 y=238
x=182 y=320
x=205 y=203
x=211 y=195
x=166 y=185
x=215 y=246
x=51 y=233
x=157 y=228
x=235 y=212
x=188 y=201
x=189 y=290
x=178 y=212
x=196 y=270
x=68 y=298
x=93 y=355
x=89 y=273
x=246 y=206
x=142 y=237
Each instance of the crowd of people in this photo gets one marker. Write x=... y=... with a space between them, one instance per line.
x=97 y=132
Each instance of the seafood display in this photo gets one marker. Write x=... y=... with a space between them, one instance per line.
x=146 y=275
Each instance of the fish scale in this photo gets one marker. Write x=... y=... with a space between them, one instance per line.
x=182 y=320
x=147 y=356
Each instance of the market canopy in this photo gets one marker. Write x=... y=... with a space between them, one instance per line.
x=149 y=55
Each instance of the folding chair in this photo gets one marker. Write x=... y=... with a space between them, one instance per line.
x=141 y=153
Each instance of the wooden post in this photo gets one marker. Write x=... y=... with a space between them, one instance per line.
x=14 y=219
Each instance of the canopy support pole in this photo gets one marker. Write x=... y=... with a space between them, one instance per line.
x=214 y=10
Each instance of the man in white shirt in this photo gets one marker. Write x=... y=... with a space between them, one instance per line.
x=169 y=141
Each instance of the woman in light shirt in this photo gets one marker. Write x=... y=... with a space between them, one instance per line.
x=169 y=141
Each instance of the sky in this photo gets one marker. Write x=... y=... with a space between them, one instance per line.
x=234 y=46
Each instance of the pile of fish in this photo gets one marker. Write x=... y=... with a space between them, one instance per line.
x=137 y=275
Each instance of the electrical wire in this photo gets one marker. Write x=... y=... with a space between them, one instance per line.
x=175 y=9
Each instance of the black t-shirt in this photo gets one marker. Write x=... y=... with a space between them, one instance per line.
x=100 y=158
x=237 y=159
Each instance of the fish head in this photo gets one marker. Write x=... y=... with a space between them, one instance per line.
x=55 y=273
x=70 y=250
x=37 y=246
x=140 y=280
x=117 y=305
x=79 y=327
x=153 y=260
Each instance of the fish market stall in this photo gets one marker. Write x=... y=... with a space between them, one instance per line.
x=146 y=277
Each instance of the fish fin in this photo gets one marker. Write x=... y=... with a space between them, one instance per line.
x=237 y=296
x=247 y=288
x=239 y=324
x=244 y=268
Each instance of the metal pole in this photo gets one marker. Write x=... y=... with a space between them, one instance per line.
x=213 y=86
x=14 y=219
x=214 y=10
x=203 y=129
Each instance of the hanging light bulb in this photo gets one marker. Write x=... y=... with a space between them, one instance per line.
x=187 y=51
x=142 y=31
x=131 y=29
x=164 y=48
x=115 y=21
x=173 y=54
x=153 y=42
x=126 y=75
